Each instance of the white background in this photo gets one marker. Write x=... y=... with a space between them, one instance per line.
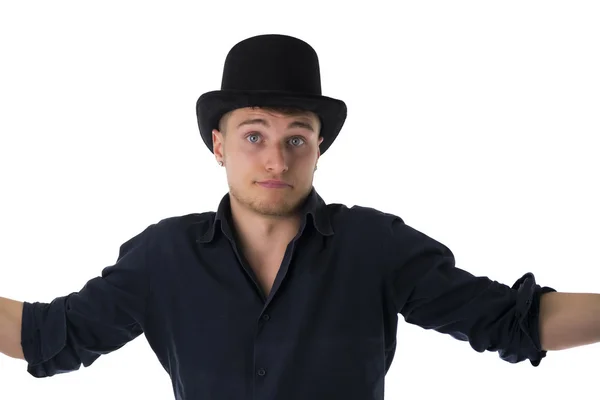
x=477 y=122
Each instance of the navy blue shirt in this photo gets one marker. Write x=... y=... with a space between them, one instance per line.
x=326 y=330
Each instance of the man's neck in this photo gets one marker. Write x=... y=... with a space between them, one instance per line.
x=261 y=232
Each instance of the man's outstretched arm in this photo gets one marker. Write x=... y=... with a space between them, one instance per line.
x=569 y=320
x=77 y=328
x=11 y=312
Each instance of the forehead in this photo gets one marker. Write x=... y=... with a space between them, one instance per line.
x=248 y=112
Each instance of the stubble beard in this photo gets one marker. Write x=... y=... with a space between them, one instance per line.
x=279 y=206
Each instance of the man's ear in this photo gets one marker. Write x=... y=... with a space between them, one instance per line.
x=217 y=140
x=319 y=147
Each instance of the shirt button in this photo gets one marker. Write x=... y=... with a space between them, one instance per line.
x=266 y=317
x=262 y=372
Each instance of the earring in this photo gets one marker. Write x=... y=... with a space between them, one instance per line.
x=315 y=167
x=221 y=163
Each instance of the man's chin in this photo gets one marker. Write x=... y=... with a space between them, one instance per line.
x=269 y=202
x=273 y=208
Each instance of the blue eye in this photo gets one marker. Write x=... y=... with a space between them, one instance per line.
x=249 y=136
x=297 y=138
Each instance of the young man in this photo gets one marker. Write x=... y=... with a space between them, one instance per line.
x=278 y=295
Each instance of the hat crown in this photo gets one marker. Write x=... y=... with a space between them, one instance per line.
x=274 y=63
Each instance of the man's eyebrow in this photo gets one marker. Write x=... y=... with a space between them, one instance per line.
x=261 y=121
x=254 y=121
x=301 y=124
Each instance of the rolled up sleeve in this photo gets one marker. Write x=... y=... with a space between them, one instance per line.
x=430 y=291
x=108 y=312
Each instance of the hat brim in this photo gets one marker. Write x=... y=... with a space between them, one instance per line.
x=211 y=106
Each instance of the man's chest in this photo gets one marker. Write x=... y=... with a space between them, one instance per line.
x=265 y=267
x=220 y=289
x=321 y=327
x=321 y=309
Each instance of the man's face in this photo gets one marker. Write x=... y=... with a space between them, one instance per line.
x=258 y=146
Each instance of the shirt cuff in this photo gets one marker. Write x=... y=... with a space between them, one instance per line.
x=528 y=312
x=43 y=332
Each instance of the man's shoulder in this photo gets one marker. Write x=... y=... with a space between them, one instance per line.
x=366 y=220
x=187 y=219
x=172 y=226
x=360 y=213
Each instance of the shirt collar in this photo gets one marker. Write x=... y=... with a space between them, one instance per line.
x=313 y=205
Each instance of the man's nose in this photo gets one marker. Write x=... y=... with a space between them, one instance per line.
x=276 y=159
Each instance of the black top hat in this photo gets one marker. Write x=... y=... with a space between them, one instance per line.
x=267 y=71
